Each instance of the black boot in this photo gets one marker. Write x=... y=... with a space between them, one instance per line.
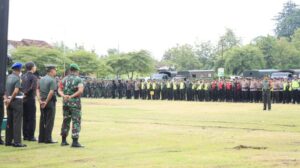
x=76 y=144
x=64 y=142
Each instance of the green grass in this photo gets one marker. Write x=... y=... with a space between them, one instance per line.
x=122 y=133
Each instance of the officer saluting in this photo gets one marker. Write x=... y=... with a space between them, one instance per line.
x=47 y=99
x=266 y=93
x=13 y=99
x=71 y=88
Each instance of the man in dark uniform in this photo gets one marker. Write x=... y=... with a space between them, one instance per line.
x=47 y=98
x=13 y=99
x=29 y=86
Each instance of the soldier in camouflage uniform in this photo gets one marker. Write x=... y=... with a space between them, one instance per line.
x=71 y=88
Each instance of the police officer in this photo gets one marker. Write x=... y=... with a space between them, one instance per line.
x=29 y=86
x=266 y=93
x=47 y=99
x=71 y=88
x=13 y=99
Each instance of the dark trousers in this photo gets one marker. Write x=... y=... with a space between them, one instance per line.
x=14 y=121
x=267 y=99
x=245 y=96
x=1 y=113
x=29 y=118
x=136 y=94
x=47 y=122
x=286 y=97
x=295 y=96
x=253 y=96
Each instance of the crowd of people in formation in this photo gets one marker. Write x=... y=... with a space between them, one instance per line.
x=236 y=90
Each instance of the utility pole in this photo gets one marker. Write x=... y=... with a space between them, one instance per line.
x=4 y=10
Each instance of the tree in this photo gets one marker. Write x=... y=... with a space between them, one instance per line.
x=225 y=43
x=205 y=52
x=296 y=39
x=239 y=59
x=140 y=62
x=130 y=63
x=288 y=20
x=267 y=44
x=88 y=61
x=41 y=57
x=118 y=63
x=286 y=55
x=182 y=57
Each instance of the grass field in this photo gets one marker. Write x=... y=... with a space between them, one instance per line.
x=122 y=133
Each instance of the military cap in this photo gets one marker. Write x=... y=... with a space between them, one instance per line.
x=74 y=66
x=17 y=65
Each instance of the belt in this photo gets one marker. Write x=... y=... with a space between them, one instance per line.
x=17 y=97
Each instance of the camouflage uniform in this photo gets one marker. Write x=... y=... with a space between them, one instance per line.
x=71 y=107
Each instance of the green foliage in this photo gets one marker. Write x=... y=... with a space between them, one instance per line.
x=286 y=55
x=41 y=57
x=130 y=63
x=205 y=52
x=182 y=57
x=267 y=44
x=239 y=59
x=296 y=39
x=88 y=61
x=288 y=20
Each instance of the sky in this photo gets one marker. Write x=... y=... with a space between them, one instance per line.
x=131 y=25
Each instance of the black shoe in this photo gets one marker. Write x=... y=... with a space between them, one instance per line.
x=76 y=144
x=64 y=142
x=26 y=139
x=19 y=145
x=50 y=142
x=32 y=139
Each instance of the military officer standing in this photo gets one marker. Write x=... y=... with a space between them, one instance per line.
x=266 y=93
x=13 y=99
x=47 y=99
x=71 y=88
x=29 y=86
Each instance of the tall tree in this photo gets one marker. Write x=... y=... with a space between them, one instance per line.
x=41 y=57
x=225 y=43
x=267 y=44
x=88 y=61
x=182 y=57
x=288 y=20
x=239 y=59
x=286 y=55
x=205 y=52
x=296 y=39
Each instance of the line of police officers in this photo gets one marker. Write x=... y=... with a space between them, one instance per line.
x=20 y=97
x=236 y=90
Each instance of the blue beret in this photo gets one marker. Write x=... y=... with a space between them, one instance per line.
x=16 y=65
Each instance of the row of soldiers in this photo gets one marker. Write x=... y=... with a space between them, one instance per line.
x=236 y=90
x=21 y=93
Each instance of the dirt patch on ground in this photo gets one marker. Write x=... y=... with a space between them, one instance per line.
x=240 y=147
